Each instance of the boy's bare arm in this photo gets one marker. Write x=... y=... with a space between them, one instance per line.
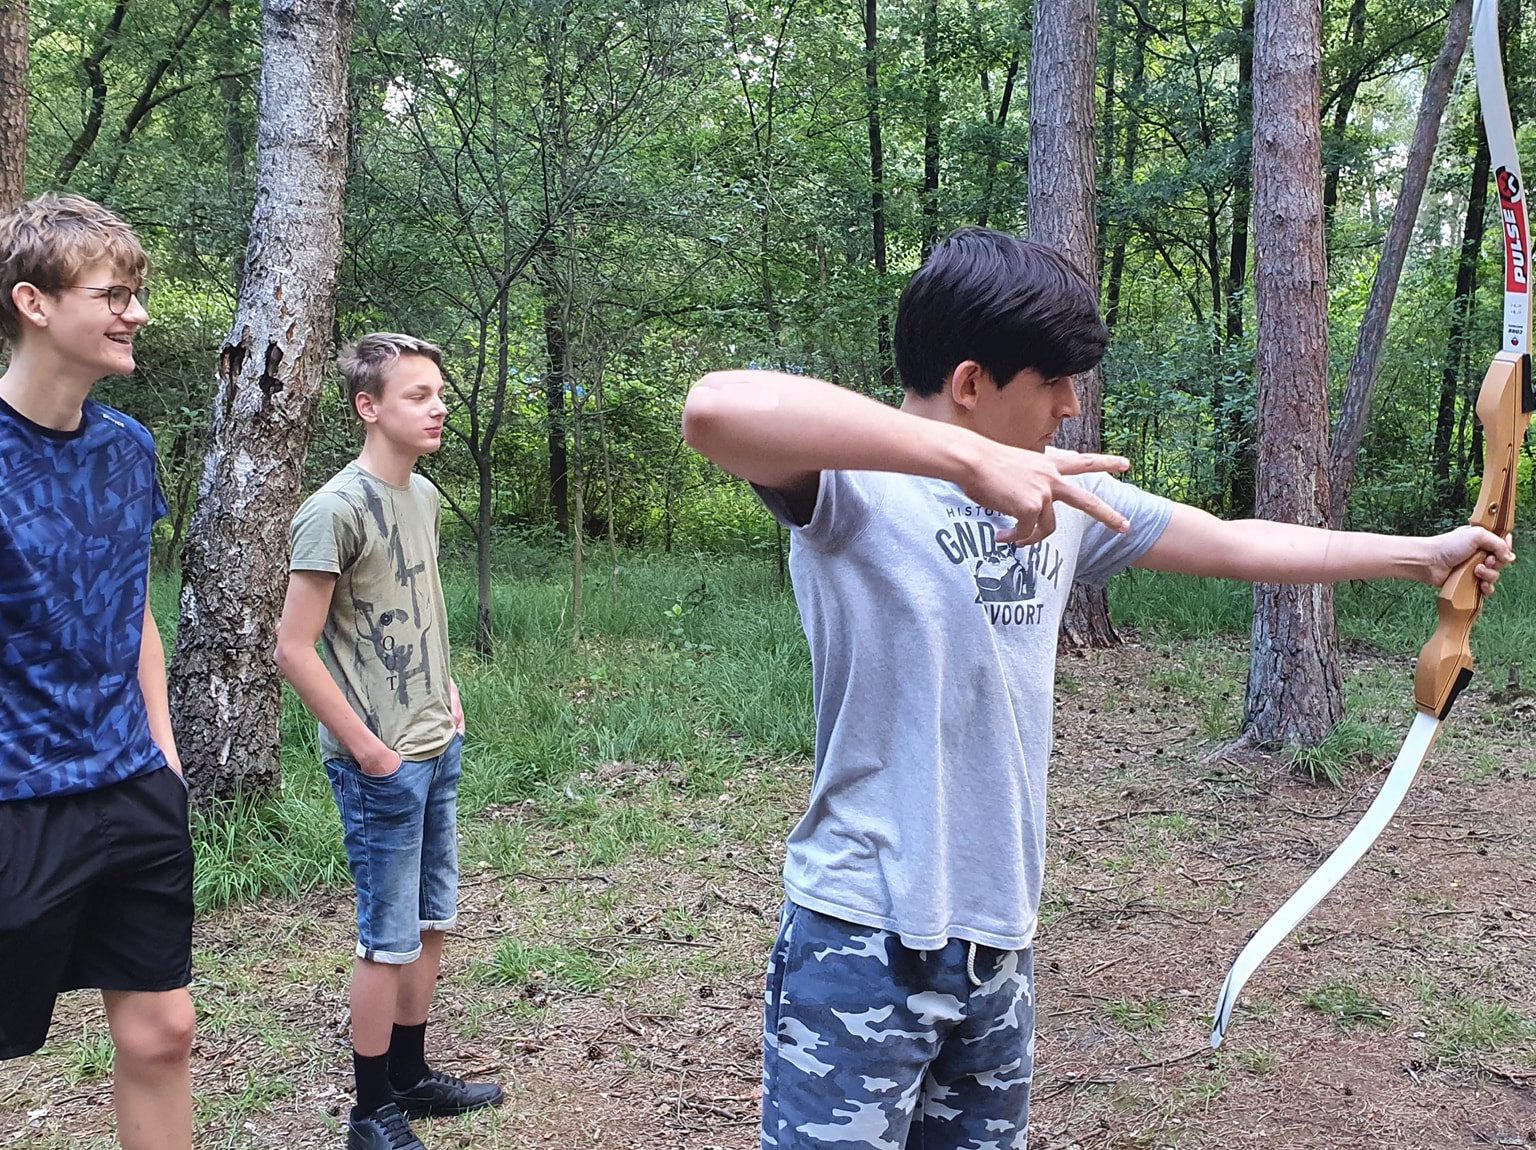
x=1261 y=551
x=156 y=694
x=781 y=431
x=304 y=612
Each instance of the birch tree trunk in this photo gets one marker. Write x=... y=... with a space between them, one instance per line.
x=1295 y=694
x=1061 y=214
x=13 y=102
x=225 y=689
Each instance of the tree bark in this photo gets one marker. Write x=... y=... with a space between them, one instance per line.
x=13 y=102
x=1061 y=214
x=1295 y=693
x=1455 y=365
x=97 y=82
x=1365 y=368
x=1355 y=33
x=225 y=689
x=1131 y=100
x=877 y=190
x=933 y=111
x=1238 y=462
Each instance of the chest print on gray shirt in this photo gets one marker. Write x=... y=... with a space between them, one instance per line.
x=1007 y=579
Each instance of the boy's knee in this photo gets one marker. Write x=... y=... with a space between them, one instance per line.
x=159 y=1037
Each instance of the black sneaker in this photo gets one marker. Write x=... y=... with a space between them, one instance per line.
x=440 y=1094
x=384 y=1129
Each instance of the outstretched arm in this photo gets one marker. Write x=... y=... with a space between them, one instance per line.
x=1261 y=551
x=782 y=431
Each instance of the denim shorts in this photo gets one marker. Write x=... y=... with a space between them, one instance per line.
x=402 y=845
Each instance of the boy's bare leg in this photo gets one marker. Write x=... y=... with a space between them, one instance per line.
x=418 y=981
x=152 y=1074
x=375 y=995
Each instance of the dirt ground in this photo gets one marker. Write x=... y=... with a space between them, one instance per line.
x=1402 y=1014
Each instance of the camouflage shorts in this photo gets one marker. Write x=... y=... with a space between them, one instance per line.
x=867 y=1043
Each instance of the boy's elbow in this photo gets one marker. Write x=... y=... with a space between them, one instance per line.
x=702 y=412
x=284 y=655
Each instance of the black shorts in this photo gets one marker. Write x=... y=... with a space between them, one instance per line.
x=95 y=891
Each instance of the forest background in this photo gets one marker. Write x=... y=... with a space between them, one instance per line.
x=588 y=205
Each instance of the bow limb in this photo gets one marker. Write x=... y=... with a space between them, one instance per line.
x=1504 y=406
x=1444 y=668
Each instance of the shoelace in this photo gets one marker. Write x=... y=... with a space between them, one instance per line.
x=397 y=1129
x=446 y=1079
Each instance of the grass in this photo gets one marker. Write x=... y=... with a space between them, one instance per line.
x=516 y=963
x=1346 y=1006
x=1458 y=1028
x=1130 y=1014
x=91 y=1056
x=698 y=668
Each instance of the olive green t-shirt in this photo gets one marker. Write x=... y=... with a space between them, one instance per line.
x=386 y=637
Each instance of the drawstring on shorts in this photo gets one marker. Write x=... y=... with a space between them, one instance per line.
x=970 y=964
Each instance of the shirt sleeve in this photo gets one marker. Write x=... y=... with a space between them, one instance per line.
x=846 y=503
x=1104 y=552
x=325 y=535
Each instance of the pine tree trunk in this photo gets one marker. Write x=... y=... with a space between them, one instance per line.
x=1061 y=214
x=225 y=689
x=1295 y=692
x=13 y=102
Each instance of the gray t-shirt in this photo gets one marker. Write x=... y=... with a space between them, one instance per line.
x=933 y=654
x=386 y=636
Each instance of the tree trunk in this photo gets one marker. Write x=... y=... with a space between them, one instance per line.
x=877 y=191
x=555 y=384
x=225 y=690
x=1355 y=33
x=1122 y=227
x=1236 y=453
x=995 y=138
x=13 y=102
x=1365 y=368
x=1295 y=693
x=932 y=113
x=1061 y=214
x=1461 y=317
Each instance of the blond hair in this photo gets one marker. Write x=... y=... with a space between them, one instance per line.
x=51 y=239
x=364 y=364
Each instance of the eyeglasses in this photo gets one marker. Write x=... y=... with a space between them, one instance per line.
x=118 y=296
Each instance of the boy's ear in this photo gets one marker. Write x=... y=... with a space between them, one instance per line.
x=965 y=383
x=367 y=409
x=28 y=300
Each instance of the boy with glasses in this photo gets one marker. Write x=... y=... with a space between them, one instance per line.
x=95 y=855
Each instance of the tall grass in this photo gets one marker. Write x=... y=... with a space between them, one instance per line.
x=694 y=665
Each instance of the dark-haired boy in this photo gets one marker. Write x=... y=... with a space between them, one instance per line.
x=933 y=550
x=364 y=584
x=95 y=855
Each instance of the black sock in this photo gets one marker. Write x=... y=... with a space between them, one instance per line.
x=372 y=1074
x=407 y=1055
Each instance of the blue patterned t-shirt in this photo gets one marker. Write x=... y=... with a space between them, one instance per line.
x=76 y=509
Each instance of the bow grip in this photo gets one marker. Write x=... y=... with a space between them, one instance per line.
x=1504 y=406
